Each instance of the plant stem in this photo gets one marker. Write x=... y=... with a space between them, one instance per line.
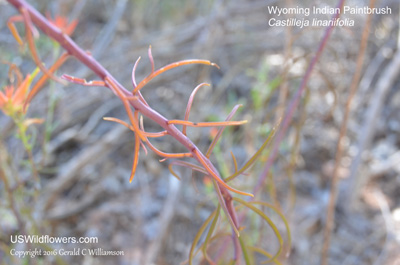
x=22 y=133
x=74 y=50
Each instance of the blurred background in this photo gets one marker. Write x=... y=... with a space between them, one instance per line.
x=85 y=162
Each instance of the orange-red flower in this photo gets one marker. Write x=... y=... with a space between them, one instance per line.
x=62 y=23
x=12 y=100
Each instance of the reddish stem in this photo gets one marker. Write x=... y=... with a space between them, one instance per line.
x=74 y=50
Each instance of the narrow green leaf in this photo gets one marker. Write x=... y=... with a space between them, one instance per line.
x=244 y=251
x=219 y=235
x=215 y=237
x=255 y=156
x=210 y=232
x=283 y=219
x=198 y=235
x=234 y=162
x=269 y=221
x=265 y=253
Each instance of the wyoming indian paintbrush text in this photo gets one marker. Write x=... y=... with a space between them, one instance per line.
x=291 y=20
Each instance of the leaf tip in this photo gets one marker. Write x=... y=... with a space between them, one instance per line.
x=216 y=65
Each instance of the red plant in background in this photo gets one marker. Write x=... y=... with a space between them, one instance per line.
x=16 y=98
x=62 y=23
x=13 y=98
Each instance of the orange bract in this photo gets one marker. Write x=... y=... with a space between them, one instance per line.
x=61 y=22
x=13 y=99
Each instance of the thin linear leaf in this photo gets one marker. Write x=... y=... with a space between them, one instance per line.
x=184 y=164
x=13 y=29
x=216 y=236
x=212 y=172
x=221 y=130
x=283 y=219
x=168 y=67
x=190 y=103
x=269 y=221
x=234 y=162
x=255 y=156
x=244 y=251
x=198 y=235
x=111 y=84
x=30 y=32
x=209 y=234
x=134 y=84
x=265 y=253
x=60 y=61
x=151 y=59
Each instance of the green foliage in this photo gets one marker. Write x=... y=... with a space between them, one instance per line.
x=263 y=88
x=198 y=235
x=254 y=158
x=269 y=221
